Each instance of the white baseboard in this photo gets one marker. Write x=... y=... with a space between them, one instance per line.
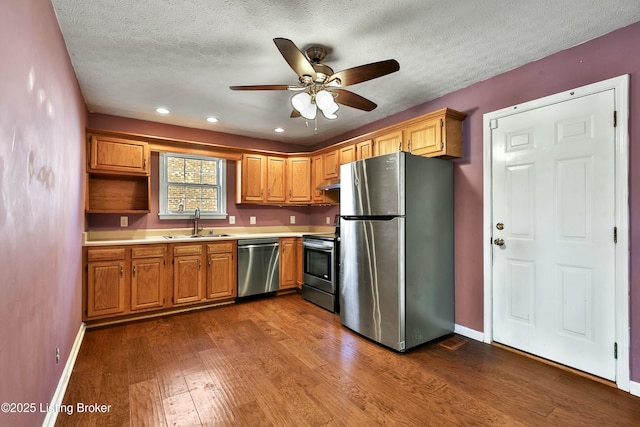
x=634 y=388
x=469 y=333
x=58 y=396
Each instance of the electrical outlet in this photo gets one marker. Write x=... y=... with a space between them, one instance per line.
x=252 y=220
x=58 y=353
x=292 y=219
x=124 y=221
x=232 y=220
x=328 y=220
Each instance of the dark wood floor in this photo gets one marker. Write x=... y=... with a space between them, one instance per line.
x=285 y=362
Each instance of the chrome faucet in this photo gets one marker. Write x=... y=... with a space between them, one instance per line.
x=196 y=217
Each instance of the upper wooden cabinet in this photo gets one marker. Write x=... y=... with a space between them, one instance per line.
x=348 y=154
x=317 y=176
x=438 y=134
x=117 y=175
x=331 y=164
x=276 y=167
x=390 y=142
x=299 y=179
x=120 y=156
x=253 y=178
x=364 y=149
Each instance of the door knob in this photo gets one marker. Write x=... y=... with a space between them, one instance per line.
x=498 y=242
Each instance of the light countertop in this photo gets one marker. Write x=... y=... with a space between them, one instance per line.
x=159 y=236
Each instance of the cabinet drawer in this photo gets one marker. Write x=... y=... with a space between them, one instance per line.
x=187 y=250
x=148 y=251
x=105 y=254
x=222 y=247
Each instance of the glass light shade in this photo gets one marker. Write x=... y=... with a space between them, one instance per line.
x=329 y=113
x=324 y=99
x=301 y=101
x=309 y=112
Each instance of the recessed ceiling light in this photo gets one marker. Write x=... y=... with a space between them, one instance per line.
x=279 y=130
x=162 y=110
x=212 y=119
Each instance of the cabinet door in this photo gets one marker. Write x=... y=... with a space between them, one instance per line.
x=253 y=178
x=425 y=138
x=299 y=262
x=221 y=276
x=317 y=176
x=288 y=258
x=147 y=283
x=389 y=143
x=187 y=282
x=348 y=154
x=364 y=149
x=275 y=179
x=331 y=165
x=119 y=155
x=299 y=179
x=105 y=288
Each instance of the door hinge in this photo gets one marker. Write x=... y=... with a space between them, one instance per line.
x=615 y=350
x=493 y=124
x=615 y=234
x=615 y=119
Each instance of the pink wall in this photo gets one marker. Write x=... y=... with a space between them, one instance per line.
x=42 y=121
x=609 y=56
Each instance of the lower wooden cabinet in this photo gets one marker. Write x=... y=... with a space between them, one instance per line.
x=148 y=283
x=221 y=270
x=187 y=273
x=129 y=280
x=288 y=262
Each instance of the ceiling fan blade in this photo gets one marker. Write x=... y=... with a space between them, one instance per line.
x=261 y=87
x=296 y=59
x=295 y=114
x=351 y=99
x=354 y=75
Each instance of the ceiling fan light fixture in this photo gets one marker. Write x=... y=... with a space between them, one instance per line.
x=301 y=101
x=324 y=99
x=330 y=113
x=309 y=112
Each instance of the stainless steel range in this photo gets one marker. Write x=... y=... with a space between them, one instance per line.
x=320 y=264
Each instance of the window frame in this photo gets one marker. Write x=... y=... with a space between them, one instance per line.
x=163 y=202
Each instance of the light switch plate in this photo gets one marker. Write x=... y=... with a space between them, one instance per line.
x=124 y=221
x=292 y=219
x=232 y=219
x=252 y=220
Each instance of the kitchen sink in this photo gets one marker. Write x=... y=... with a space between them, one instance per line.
x=195 y=236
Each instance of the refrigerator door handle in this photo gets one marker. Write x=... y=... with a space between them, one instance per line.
x=369 y=218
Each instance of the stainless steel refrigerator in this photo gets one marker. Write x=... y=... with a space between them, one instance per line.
x=396 y=249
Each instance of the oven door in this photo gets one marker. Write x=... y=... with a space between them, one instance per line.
x=319 y=264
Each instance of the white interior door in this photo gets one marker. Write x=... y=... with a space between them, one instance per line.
x=554 y=207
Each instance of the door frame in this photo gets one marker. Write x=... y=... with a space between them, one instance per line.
x=620 y=85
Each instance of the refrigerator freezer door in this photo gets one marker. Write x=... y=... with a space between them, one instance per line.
x=371 y=285
x=373 y=187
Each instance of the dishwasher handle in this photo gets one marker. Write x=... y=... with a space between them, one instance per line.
x=263 y=245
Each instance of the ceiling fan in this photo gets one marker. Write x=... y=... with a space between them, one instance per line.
x=318 y=86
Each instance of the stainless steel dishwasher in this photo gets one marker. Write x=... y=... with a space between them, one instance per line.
x=258 y=266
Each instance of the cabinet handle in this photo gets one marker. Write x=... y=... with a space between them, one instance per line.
x=261 y=192
x=144 y=164
x=209 y=264
x=134 y=271
x=400 y=146
x=289 y=193
x=121 y=272
x=409 y=146
x=199 y=265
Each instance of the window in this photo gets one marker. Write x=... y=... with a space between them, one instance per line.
x=190 y=182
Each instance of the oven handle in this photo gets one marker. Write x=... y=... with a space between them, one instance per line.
x=322 y=246
x=264 y=245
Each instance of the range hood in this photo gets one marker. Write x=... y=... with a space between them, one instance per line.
x=330 y=184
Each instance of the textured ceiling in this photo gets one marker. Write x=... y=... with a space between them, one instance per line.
x=131 y=56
